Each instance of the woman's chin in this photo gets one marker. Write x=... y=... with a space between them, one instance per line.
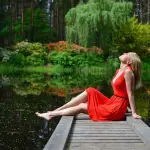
x=120 y=58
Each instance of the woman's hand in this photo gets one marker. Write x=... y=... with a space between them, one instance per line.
x=136 y=116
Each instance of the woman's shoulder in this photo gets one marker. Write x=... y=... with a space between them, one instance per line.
x=128 y=72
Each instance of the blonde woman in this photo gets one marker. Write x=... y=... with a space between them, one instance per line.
x=98 y=106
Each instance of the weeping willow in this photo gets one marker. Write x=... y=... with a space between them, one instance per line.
x=93 y=23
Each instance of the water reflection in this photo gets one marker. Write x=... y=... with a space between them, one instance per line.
x=22 y=94
x=20 y=128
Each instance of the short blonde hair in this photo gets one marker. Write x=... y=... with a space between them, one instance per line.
x=136 y=66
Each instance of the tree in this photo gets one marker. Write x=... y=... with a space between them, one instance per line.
x=22 y=19
x=93 y=23
x=148 y=12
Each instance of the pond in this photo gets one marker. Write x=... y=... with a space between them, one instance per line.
x=24 y=93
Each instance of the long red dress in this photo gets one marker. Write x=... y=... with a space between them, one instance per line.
x=102 y=108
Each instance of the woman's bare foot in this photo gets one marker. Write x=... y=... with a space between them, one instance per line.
x=44 y=115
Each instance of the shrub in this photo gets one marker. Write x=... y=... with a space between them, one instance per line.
x=34 y=61
x=17 y=59
x=73 y=59
x=62 y=46
x=35 y=54
x=6 y=54
x=134 y=37
x=25 y=54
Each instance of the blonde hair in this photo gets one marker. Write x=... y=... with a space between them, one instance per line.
x=136 y=67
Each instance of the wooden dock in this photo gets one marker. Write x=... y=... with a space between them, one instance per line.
x=80 y=133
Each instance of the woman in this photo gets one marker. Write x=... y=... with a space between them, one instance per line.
x=98 y=106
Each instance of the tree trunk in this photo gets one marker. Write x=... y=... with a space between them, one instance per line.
x=32 y=11
x=72 y=3
x=57 y=14
x=141 y=11
x=15 y=16
x=51 y=13
x=148 y=12
x=1 y=20
x=31 y=28
x=22 y=19
x=9 y=25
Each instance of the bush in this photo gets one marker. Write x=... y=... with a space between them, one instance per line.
x=72 y=59
x=25 y=54
x=5 y=54
x=73 y=55
x=133 y=37
x=27 y=49
x=17 y=59
x=31 y=54
x=62 y=46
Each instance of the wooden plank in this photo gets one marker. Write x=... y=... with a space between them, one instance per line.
x=102 y=126
x=100 y=122
x=141 y=129
x=102 y=134
x=105 y=141
x=99 y=129
x=103 y=131
x=60 y=135
x=98 y=148
x=108 y=145
x=104 y=146
x=104 y=138
x=86 y=117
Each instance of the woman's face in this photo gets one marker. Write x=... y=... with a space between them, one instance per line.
x=125 y=58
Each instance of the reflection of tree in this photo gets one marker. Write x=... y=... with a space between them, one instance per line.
x=60 y=83
x=27 y=83
x=74 y=82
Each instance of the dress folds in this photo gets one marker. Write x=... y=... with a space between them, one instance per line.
x=101 y=107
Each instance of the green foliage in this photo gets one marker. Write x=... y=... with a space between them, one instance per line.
x=25 y=54
x=39 y=31
x=73 y=59
x=4 y=25
x=35 y=53
x=134 y=37
x=5 y=54
x=34 y=61
x=6 y=69
x=17 y=59
x=113 y=62
x=94 y=23
x=33 y=49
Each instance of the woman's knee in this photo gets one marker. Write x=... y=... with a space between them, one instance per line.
x=83 y=107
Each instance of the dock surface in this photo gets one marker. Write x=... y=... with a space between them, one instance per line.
x=80 y=133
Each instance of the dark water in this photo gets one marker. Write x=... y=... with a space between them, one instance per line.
x=22 y=94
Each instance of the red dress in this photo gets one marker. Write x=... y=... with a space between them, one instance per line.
x=102 y=108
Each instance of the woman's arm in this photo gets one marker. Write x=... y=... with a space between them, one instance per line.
x=129 y=79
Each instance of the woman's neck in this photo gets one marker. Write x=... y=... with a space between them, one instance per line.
x=123 y=66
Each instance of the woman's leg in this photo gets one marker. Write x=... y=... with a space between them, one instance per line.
x=81 y=98
x=71 y=111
